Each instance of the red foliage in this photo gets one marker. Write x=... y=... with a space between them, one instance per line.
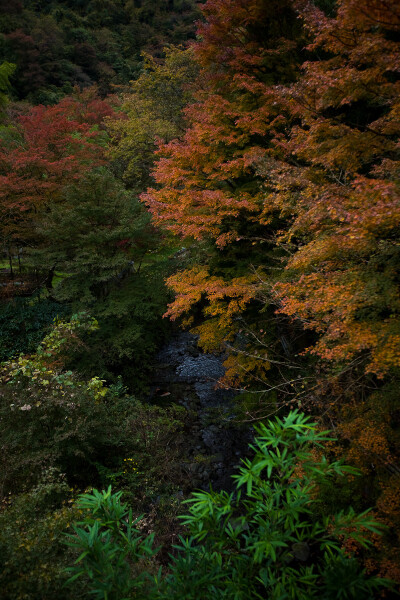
x=236 y=117
x=52 y=146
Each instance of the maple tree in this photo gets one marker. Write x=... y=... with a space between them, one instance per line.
x=342 y=278
x=209 y=167
x=348 y=198
x=47 y=148
x=287 y=177
x=209 y=188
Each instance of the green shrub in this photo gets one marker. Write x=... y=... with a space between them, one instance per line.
x=131 y=328
x=60 y=433
x=154 y=452
x=102 y=237
x=44 y=428
x=32 y=556
x=265 y=539
x=110 y=546
x=51 y=418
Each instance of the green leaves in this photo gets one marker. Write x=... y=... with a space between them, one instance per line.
x=266 y=539
x=154 y=110
x=262 y=540
x=6 y=71
x=109 y=543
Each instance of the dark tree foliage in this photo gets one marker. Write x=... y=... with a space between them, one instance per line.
x=57 y=45
x=23 y=323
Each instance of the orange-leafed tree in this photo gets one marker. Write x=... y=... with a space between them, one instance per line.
x=342 y=280
x=207 y=176
x=209 y=185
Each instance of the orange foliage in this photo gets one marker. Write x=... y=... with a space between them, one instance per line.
x=209 y=182
x=199 y=193
x=310 y=155
x=224 y=301
x=343 y=278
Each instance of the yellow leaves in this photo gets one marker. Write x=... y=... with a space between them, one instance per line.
x=222 y=303
x=242 y=366
x=96 y=388
x=224 y=298
x=131 y=466
x=151 y=112
x=386 y=354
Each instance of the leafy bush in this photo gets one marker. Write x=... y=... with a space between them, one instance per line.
x=263 y=540
x=101 y=236
x=43 y=427
x=110 y=543
x=49 y=417
x=154 y=452
x=131 y=328
x=60 y=434
x=32 y=556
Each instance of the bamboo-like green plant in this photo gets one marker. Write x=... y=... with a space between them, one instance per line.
x=264 y=540
x=109 y=544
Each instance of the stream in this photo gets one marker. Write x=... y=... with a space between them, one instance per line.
x=187 y=376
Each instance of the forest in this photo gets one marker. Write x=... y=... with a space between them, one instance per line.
x=199 y=299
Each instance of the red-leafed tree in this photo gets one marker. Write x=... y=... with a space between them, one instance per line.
x=48 y=147
x=323 y=150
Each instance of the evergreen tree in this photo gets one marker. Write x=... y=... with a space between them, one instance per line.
x=98 y=237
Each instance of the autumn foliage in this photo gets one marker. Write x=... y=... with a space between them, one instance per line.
x=47 y=148
x=288 y=179
x=270 y=148
x=209 y=187
x=343 y=279
x=206 y=177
